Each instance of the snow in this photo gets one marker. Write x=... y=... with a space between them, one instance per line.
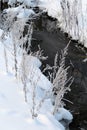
x=85 y=60
x=20 y=11
x=31 y=60
x=1 y=31
x=63 y=114
x=11 y=2
x=24 y=13
x=52 y=8
x=32 y=66
x=15 y=113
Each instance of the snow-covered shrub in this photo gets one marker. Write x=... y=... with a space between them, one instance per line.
x=60 y=80
x=58 y=76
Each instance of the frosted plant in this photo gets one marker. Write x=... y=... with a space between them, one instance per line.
x=30 y=76
x=14 y=28
x=30 y=81
x=39 y=54
x=28 y=37
x=22 y=37
x=34 y=85
x=24 y=77
x=20 y=30
x=61 y=82
x=19 y=39
x=72 y=20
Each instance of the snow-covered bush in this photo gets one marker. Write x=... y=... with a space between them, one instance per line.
x=60 y=81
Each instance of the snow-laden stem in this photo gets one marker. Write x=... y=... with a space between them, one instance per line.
x=24 y=77
x=61 y=82
x=34 y=85
x=6 y=60
x=15 y=58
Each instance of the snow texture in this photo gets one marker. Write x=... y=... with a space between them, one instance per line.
x=20 y=11
x=14 y=112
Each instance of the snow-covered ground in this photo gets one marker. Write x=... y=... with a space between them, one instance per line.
x=15 y=113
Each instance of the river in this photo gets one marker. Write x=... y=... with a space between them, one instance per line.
x=52 y=40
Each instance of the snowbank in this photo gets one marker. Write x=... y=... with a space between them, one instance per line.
x=63 y=114
x=72 y=16
x=50 y=6
x=15 y=113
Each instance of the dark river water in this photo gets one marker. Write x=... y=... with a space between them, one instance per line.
x=53 y=40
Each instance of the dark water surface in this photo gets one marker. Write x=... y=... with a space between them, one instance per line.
x=52 y=40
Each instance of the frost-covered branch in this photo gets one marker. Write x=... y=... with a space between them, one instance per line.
x=61 y=81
